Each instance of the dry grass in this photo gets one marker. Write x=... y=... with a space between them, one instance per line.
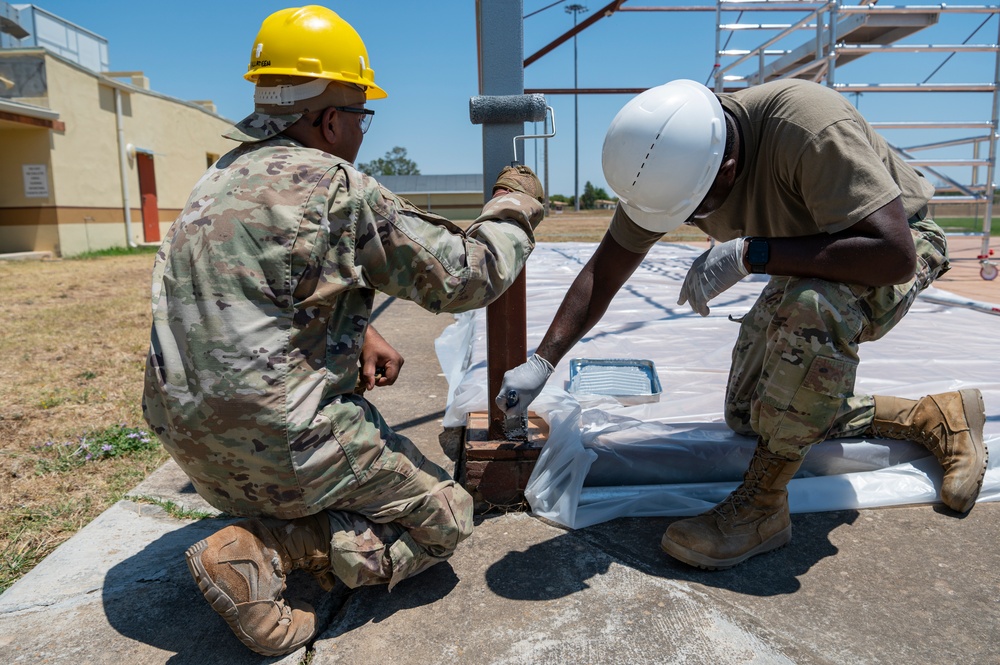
x=590 y=225
x=71 y=362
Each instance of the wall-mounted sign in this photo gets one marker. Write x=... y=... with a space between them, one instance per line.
x=36 y=181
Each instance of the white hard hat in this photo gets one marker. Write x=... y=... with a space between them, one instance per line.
x=663 y=151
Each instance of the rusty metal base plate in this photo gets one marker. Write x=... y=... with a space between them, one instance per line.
x=495 y=473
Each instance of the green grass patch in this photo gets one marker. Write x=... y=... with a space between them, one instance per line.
x=174 y=510
x=125 y=454
x=966 y=225
x=115 y=251
x=114 y=441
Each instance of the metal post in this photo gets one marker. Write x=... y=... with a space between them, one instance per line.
x=716 y=70
x=534 y=130
x=545 y=156
x=501 y=55
x=123 y=167
x=991 y=170
x=975 y=156
x=832 y=53
x=576 y=9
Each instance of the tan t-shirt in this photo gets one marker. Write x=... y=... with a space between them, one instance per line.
x=812 y=165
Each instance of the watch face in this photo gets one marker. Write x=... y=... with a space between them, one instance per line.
x=757 y=255
x=758 y=252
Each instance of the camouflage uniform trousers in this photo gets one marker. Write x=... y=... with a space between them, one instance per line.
x=796 y=357
x=404 y=514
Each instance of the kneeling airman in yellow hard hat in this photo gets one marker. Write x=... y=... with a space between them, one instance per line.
x=262 y=296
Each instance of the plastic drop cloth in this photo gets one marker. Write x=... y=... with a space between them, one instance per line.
x=676 y=456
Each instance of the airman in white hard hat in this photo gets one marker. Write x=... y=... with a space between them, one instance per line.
x=790 y=181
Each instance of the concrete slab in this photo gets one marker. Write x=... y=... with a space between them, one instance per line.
x=898 y=585
x=520 y=591
x=169 y=485
x=916 y=585
x=26 y=256
x=120 y=592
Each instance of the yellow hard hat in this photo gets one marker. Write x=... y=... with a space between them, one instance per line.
x=312 y=41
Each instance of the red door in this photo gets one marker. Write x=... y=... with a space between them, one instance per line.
x=147 y=192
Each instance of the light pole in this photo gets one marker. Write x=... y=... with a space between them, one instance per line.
x=575 y=9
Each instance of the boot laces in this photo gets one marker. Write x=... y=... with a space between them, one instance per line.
x=279 y=570
x=740 y=496
x=936 y=444
x=745 y=493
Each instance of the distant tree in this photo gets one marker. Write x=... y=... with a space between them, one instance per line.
x=395 y=162
x=559 y=198
x=591 y=195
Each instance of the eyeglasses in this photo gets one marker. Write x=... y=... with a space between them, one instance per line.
x=366 y=115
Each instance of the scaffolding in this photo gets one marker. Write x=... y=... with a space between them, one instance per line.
x=838 y=34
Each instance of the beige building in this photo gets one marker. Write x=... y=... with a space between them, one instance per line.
x=456 y=197
x=93 y=159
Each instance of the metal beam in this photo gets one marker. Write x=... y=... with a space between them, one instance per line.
x=586 y=91
x=500 y=36
x=605 y=11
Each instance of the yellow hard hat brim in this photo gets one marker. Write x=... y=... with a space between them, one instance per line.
x=372 y=91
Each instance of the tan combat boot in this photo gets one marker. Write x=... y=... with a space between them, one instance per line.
x=307 y=542
x=241 y=571
x=950 y=425
x=752 y=520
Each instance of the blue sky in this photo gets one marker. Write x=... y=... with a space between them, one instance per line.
x=424 y=55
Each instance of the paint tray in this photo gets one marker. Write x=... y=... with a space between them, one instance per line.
x=628 y=380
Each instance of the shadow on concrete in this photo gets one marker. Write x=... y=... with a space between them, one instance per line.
x=374 y=604
x=942 y=509
x=151 y=598
x=167 y=611
x=554 y=568
x=413 y=422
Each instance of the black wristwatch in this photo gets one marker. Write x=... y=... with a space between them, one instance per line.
x=758 y=254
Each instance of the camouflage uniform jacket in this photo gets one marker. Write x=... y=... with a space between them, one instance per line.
x=262 y=291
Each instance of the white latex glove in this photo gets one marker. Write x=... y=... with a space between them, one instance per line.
x=522 y=384
x=712 y=273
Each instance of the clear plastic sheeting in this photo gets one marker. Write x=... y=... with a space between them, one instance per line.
x=605 y=459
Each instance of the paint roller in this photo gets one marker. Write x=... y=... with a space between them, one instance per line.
x=500 y=109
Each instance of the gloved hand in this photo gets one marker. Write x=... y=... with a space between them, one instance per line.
x=522 y=384
x=712 y=273
x=520 y=179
